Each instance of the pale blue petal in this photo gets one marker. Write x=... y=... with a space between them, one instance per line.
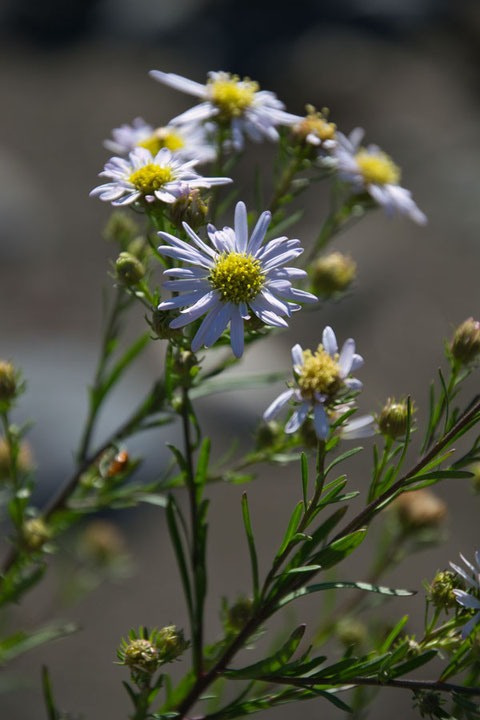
x=297 y=419
x=241 y=226
x=297 y=355
x=320 y=421
x=237 y=333
x=329 y=341
x=259 y=232
x=278 y=404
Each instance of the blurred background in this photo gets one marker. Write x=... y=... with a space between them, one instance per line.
x=70 y=71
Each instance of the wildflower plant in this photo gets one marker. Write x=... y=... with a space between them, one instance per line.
x=212 y=275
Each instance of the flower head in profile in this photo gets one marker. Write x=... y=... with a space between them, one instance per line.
x=189 y=142
x=315 y=129
x=321 y=382
x=163 y=177
x=469 y=599
x=240 y=104
x=373 y=171
x=231 y=278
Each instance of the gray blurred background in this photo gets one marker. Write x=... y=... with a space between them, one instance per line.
x=408 y=72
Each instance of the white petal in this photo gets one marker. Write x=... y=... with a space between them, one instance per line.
x=179 y=83
x=297 y=355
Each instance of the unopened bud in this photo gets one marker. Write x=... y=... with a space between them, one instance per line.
x=465 y=346
x=441 y=593
x=102 y=542
x=160 y=324
x=268 y=434
x=24 y=459
x=393 y=420
x=239 y=614
x=351 y=632
x=137 y=247
x=420 y=509
x=141 y=654
x=35 y=534
x=189 y=208
x=8 y=381
x=129 y=269
x=170 y=643
x=429 y=704
x=333 y=273
x=121 y=228
x=475 y=470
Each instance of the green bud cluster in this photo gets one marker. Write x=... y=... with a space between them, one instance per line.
x=129 y=269
x=121 y=228
x=145 y=652
x=35 y=534
x=8 y=381
x=393 y=419
x=465 y=346
x=190 y=209
x=237 y=615
x=333 y=274
x=441 y=589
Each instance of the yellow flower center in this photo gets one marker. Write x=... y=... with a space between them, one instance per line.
x=316 y=123
x=231 y=95
x=238 y=277
x=378 y=168
x=320 y=373
x=151 y=178
x=163 y=138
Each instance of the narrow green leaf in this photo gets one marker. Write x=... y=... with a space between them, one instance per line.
x=342 y=457
x=178 y=457
x=442 y=474
x=202 y=464
x=330 y=695
x=21 y=642
x=339 y=549
x=121 y=365
x=273 y=664
x=302 y=569
x=152 y=499
x=52 y=712
x=291 y=529
x=283 y=225
x=251 y=545
x=413 y=664
x=304 y=463
x=366 y=587
x=317 y=537
x=392 y=636
x=172 y=511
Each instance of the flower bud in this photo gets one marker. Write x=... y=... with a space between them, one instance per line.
x=170 y=643
x=141 y=654
x=24 y=459
x=351 y=632
x=475 y=470
x=189 y=208
x=393 y=420
x=465 y=346
x=121 y=228
x=429 y=704
x=137 y=247
x=238 y=615
x=160 y=322
x=441 y=590
x=129 y=269
x=8 y=381
x=420 y=509
x=333 y=273
x=268 y=434
x=102 y=542
x=35 y=534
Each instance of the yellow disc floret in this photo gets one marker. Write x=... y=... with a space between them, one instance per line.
x=150 y=178
x=377 y=168
x=163 y=138
x=320 y=373
x=232 y=95
x=237 y=277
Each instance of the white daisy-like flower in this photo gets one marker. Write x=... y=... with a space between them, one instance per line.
x=189 y=142
x=230 y=100
x=466 y=599
x=163 y=176
x=315 y=129
x=373 y=171
x=320 y=377
x=232 y=277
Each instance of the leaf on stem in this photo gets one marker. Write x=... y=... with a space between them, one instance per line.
x=251 y=545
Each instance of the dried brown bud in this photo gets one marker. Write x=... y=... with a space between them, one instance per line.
x=420 y=509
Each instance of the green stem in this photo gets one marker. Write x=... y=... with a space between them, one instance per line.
x=285 y=182
x=109 y=334
x=195 y=548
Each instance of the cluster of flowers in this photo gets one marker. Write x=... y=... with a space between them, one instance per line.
x=234 y=275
